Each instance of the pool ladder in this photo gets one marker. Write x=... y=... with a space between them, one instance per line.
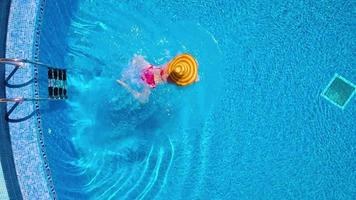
x=57 y=81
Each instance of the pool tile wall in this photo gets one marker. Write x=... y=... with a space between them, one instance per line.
x=28 y=148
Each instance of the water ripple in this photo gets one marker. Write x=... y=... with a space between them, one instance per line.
x=125 y=150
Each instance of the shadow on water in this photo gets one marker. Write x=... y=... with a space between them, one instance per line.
x=108 y=120
x=112 y=129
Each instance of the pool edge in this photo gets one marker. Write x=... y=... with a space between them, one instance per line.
x=7 y=159
x=33 y=172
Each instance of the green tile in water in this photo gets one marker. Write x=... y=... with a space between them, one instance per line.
x=339 y=91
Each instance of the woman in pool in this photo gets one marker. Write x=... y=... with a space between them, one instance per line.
x=182 y=71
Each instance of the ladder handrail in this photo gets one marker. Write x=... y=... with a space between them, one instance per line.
x=21 y=62
x=22 y=99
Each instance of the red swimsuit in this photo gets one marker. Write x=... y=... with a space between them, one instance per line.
x=147 y=75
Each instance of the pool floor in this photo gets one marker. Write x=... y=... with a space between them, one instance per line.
x=254 y=127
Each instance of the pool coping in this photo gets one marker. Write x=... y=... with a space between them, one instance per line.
x=11 y=186
x=23 y=36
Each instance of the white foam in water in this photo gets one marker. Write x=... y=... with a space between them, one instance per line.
x=133 y=70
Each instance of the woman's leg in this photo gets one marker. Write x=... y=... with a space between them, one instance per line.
x=140 y=96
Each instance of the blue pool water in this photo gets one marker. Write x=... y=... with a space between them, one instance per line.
x=254 y=127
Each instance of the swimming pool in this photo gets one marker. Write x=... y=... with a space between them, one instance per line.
x=254 y=127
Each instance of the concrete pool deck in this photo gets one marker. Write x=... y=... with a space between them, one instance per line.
x=24 y=125
x=3 y=190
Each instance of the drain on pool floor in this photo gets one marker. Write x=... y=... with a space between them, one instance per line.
x=339 y=91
